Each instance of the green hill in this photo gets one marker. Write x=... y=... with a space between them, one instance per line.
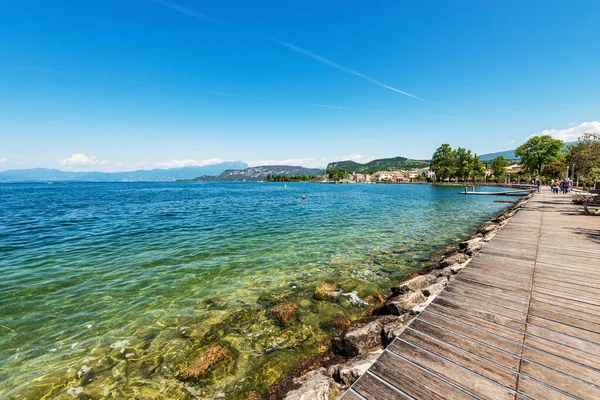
x=382 y=164
x=260 y=173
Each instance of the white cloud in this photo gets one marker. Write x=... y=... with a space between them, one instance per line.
x=81 y=160
x=185 y=163
x=310 y=162
x=3 y=160
x=572 y=133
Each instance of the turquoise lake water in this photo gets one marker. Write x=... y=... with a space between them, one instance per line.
x=109 y=289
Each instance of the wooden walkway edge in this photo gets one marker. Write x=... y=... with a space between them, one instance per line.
x=521 y=321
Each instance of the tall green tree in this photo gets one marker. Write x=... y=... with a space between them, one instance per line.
x=442 y=162
x=538 y=151
x=478 y=169
x=585 y=158
x=555 y=169
x=499 y=165
x=463 y=161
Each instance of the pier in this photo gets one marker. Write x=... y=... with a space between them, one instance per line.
x=520 y=321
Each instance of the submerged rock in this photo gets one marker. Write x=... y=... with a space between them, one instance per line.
x=204 y=361
x=315 y=385
x=283 y=312
x=325 y=291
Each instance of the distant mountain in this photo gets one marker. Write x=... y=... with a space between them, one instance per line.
x=383 y=164
x=46 y=174
x=260 y=173
x=508 y=154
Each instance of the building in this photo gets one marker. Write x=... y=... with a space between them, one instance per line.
x=389 y=176
x=514 y=169
x=361 y=177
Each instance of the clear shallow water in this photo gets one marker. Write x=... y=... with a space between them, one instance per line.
x=111 y=288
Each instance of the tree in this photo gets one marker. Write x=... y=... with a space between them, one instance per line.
x=585 y=158
x=463 y=161
x=555 y=169
x=442 y=162
x=538 y=151
x=478 y=169
x=499 y=165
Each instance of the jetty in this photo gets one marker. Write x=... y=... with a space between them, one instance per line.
x=517 y=192
x=520 y=321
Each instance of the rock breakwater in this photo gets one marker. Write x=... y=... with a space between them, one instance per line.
x=363 y=340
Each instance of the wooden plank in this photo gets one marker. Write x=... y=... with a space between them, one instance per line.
x=462 y=353
x=564 y=318
x=351 y=396
x=465 y=378
x=414 y=381
x=536 y=390
x=574 y=313
x=576 y=293
x=570 y=303
x=561 y=338
x=584 y=301
x=481 y=304
x=373 y=389
x=481 y=313
x=486 y=283
x=479 y=323
x=571 y=368
x=566 y=329
x=476 y=294
x=560 y=381
x=496 y=280
x=491 y=291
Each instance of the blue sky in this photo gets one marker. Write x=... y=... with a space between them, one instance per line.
x=119 y=85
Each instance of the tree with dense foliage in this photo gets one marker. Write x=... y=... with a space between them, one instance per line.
x=463 y=162
x=538 y=151
x=336 y=174
x=499 y=165
x=554 y=169
x=478 y=170
x=585 y=158
x=442 y=162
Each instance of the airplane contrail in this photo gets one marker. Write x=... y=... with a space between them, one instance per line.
x=227 y=94
x=299 y=50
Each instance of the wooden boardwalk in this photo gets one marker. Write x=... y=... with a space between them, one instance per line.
x=521 y=321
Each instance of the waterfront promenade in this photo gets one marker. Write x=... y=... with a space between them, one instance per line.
x=521 y=321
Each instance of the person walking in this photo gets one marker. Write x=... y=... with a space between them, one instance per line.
x=539 y=185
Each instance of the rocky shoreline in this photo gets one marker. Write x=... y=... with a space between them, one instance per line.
x=327 y=375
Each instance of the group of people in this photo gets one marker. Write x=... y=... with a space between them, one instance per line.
x=564 y=186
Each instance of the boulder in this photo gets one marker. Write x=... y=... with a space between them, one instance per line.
x=465 y=245
x=203 y=361
x=456 y=268
x=488 y=227
x=435 y=288
x=361 y=337
x=325 y=291
x=365 y=335
x=347 y=373
x=315 y=385
x=444 y=272
x=456 y=258
x=401 y=304
x=393 y=327
x=474 y=247
x=283 y=312
x=416 y=283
